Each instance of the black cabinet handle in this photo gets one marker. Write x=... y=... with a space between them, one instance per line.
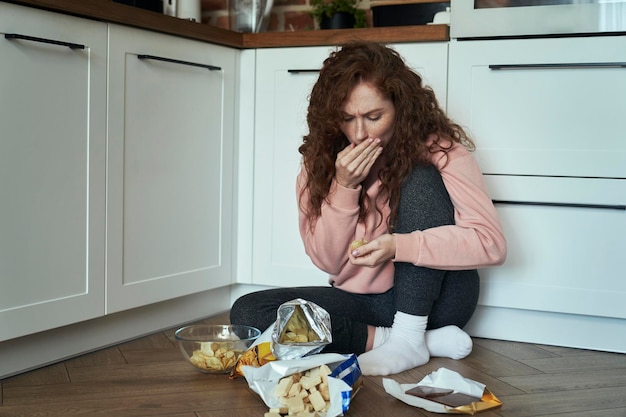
x=177 y=61
x=43 y=40
x=581 y=65
x=570 y=205
x=298 y=71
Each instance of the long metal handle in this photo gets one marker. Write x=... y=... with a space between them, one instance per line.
x=43 y=40
x=581 y=65
x=177 y=61
x=570 y=205
x=298 y=71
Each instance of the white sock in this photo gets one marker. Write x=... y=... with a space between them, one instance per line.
x=381 y=334
x=404 y=349
x=445 y=342
x=448 y=342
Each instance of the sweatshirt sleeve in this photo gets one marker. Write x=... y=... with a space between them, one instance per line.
x=327 y=241
x=476 y=240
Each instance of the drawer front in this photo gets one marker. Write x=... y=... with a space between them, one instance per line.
x=566 y=240
x=543 y=106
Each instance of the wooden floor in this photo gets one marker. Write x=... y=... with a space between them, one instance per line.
x=147 y=377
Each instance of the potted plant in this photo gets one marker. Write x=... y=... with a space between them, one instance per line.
x=338 y=14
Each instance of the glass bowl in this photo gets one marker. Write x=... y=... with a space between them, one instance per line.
x=215 y=348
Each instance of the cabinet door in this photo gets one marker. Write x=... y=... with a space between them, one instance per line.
x=169 y=168
x=562 y=282
x=52 y=184
x=543 y=106
x=285 y=77
x=566 y=237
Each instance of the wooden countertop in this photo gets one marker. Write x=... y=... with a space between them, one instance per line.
x=109 y=11
x=395 y=34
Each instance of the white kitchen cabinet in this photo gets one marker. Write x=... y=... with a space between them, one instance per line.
x=284 y=80
x=546 y=118
x=550 y=107
x=52 y=169
x=285 y=77
x=564 y=249
x=170 y=156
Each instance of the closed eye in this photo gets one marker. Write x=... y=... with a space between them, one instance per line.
x=369 y=116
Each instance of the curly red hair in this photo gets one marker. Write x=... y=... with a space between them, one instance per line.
x=418 y=116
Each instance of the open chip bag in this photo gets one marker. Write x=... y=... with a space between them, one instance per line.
x=324 y=383
x=444 y=391
x=301 y=328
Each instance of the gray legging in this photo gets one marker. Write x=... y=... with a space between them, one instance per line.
x=446 y=297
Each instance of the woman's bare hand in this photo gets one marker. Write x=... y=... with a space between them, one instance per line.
x=374 y=253
x=353 y=163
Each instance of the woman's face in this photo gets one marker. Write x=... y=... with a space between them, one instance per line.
x=367 y=115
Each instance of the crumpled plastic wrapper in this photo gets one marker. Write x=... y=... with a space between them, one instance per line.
x=258 y=354
x=445 y=378
x=302 y=328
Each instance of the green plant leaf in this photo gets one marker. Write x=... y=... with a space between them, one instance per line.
x=329 y=7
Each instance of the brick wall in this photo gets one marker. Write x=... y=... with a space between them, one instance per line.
x=287 y=15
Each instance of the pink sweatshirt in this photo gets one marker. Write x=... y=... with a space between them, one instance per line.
x=475 y=241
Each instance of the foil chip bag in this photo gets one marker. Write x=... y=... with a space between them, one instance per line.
x=302 y=328
x=257 y=355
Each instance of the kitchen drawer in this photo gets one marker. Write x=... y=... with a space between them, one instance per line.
x=542 y=106
x=566 y=240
